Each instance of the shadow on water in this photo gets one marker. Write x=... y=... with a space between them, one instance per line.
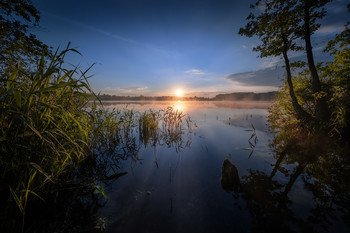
x=307 y=190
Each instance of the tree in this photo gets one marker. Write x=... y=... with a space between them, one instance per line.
x=17 y=45
x=337 y=74
x=308 y=11
x=275 y=28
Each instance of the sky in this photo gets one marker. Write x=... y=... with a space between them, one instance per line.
x=154 y=47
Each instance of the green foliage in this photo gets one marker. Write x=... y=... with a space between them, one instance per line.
x=281 y=111
x=17 y=44
x=44 y=129
x=276 y=28
x=319 y=96
x=336 y=75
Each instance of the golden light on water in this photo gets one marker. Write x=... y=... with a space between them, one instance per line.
x=179 y=106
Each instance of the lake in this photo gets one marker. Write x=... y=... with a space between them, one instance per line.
x=225 y=173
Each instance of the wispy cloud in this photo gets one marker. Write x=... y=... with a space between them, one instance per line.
x=330 y=29
x=207 y=94
x=270 y=62
x=106 y=33
x=131 y=89
x=93 y=29
x=271 y=76
x=337 y=7
x=195 y=71
x=126 y=90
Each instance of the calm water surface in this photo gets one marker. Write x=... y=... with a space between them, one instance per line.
x=214 y=180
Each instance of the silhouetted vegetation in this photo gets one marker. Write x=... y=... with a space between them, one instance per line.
x=316 y=98
x=18 y=45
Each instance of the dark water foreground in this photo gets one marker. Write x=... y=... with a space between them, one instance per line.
x=221 y=171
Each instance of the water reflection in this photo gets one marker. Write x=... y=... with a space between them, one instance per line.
x=277 y=205
x=246 y=121
x=179 y=106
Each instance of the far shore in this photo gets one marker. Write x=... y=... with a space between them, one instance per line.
x=238 y=96
x=240 y=104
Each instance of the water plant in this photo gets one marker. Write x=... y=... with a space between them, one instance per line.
x=253 y=140
x=148 y=126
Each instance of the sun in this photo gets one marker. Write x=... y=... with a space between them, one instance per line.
x=179 y=93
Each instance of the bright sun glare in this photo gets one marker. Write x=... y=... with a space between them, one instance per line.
x=179 y=93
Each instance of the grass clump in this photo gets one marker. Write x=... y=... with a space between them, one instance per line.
x=148 y=126
x=165 y=127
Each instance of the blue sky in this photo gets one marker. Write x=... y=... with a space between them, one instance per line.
x=153 y=47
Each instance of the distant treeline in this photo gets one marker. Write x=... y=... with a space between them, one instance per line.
x=268 y=96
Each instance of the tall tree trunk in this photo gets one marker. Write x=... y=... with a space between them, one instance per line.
x=301 y=114
x=321 y=108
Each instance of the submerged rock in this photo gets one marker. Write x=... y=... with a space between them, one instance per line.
x=229 y=178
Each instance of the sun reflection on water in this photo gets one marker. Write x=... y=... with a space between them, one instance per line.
x=179 y=106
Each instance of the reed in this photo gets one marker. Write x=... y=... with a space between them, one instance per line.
x=44 y=130
x=148 y=126
x=56 y=137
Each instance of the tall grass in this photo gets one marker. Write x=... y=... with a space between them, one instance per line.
x=44 y=128
x=148 y=127
x=55 y=138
